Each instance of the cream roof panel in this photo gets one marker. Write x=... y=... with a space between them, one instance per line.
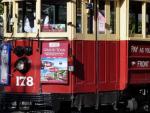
x=7 y=0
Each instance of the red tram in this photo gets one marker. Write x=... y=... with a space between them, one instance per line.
x=85 y=54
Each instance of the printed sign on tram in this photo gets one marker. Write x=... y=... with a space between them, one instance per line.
x=54 y=62
x=139 y=56
x=4 y=63
x=140 y=63
x=139 y=50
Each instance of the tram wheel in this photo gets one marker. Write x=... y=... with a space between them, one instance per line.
x=42 y=111
x=88 y=110
x=74 y=110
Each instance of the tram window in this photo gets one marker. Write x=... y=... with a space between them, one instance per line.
x=26 y=16
x=9 y=20
x=135 y=17
x=54 y=15
x=90 y=17
x=112 y=17
x=147 y=19
x=78 y=16
x=101 y=17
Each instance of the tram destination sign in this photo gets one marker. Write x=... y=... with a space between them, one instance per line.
x=138 y=63
x=139 y=55
x=138 y=50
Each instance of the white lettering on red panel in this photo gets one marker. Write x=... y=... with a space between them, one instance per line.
x=137 y=49
x=141 y=64
x=134 y=49
x=24 y=81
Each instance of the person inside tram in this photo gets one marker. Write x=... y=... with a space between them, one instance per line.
x=46 y=23
x=46 y=20
x=29 y=23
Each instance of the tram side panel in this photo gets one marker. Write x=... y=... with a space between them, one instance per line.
x=111 y=59
x=45 y=70
x=123 y=79
x=112 y=65
x=28 y=80
x=85 y=66
x=110 y=74
x=108 y=65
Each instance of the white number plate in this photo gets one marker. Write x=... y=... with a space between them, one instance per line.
x=24 y=81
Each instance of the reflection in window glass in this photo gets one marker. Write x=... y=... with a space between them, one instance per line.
x=54 y=15
x=26 y=16
x=112 y=17
x=101 y=17
x=147 y=18
x=78 y=16
x=135 y=17
x=90 y=17
x=9 y=20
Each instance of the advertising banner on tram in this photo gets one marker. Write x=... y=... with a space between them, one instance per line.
x=5 y=50
x=54 y=62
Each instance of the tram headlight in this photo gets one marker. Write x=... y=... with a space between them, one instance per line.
x=28 y=50
x=20 y=65
x=23 y=65
x=19 y=51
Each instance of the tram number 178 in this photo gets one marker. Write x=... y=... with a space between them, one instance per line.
x=24 y=81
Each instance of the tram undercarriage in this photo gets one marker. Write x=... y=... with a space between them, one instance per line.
x=132 y=100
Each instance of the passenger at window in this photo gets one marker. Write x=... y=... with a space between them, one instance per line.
x=27 y=27
x=46 y=20
x=29 y=23
x=46 y=24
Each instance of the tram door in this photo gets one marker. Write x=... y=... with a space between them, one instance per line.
x=98 y=42
x=85 y=46
x=107 y=45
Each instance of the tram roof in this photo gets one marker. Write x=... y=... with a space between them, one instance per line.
x=24 y=0
x=7 y=0
x=12 y=0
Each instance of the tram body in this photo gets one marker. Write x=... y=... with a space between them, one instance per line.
x=63 y=66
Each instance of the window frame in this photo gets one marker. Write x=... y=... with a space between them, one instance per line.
x=43 y=35
x=143 y=35
x=22 y=34
x=107 y=35
x=81 y=17
x=7 y=34
x=147 y=35
x=142 y=22
x=65 y=25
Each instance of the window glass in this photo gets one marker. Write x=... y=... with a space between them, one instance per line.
x=54 y=15
x=90 y=16
x=9 y=20
x=112 y=17
x=101 y=17
x=147 y=18
x=79 y=16
x=135 y=17
x=26 y=16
